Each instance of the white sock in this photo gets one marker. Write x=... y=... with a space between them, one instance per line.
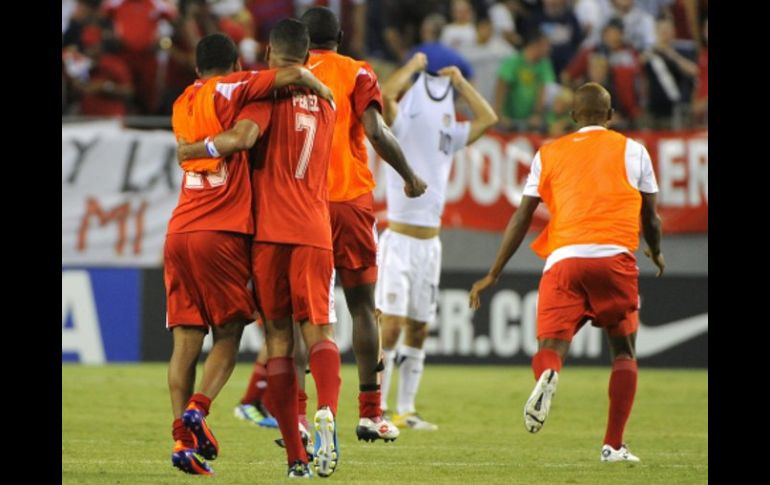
x=410 y=372
x=387 y=374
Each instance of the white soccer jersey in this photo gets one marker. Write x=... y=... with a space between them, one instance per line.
x=429 y=134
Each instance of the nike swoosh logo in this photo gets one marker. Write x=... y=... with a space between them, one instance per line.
x=313 y=66
x=580 y=139
x=654 y=340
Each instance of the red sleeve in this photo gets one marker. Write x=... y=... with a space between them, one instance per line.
x=366 y=92
x=259 y=85
x=259 y=112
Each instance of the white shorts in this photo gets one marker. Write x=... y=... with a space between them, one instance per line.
x=409 y=272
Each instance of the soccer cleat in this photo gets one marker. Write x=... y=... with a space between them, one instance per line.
x=307 y=443
x=299 y=470
x=413 y=421
x=326 y=452
x=187 y=460
x=611 y=454
x=251 y=413
x=539 y=402
x=371 y=429
x=207 y=445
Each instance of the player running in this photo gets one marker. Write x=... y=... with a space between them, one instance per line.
x=596 y=183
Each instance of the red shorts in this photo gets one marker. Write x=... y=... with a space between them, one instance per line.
x=292 y=280
x=354 y=237
x=207 y=275
x=574 y=290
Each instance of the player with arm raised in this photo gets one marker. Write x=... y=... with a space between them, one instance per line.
x=410 y=249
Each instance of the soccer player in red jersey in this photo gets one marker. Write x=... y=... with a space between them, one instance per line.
x=206 y=255
x=292 y=260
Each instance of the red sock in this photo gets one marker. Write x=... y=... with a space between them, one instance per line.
x=282 y=381
x=301 y=402
x=180 y=433
x=257 y=385
x=369 y=404
x=545 y=359
x=201 y=402
x=325 y=367
x=622 y=391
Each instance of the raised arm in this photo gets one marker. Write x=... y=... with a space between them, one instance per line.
x=515 y=231
x=397 y=83
x=242 y=136
x=652 y=231
x=484 y=116
x=386 y=145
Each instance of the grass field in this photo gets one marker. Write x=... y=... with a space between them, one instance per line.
x=116 y=428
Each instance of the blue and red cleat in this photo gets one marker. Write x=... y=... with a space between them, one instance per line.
x=187 y=460
x=207 y=445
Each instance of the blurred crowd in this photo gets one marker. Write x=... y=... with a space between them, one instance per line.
x=123 y=57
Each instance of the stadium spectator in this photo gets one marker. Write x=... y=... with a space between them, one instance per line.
x=425 y=124
x=439 y=55
x=461 y=32
x=519 y=95
x=700 y=106
x=638 y=25
x=589 y=14
x=108 y=88
x=82 y=14
x=654 y=7
x=560 y=25
x=136 y=24
x=503 y=15
x=624 y=66
x=485 y=57
x=404 y=22
x=670 y=77
x=590 y=270
x=559 y=118
x=265 y=14
x=195 y=21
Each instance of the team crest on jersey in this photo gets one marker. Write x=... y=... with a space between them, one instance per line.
x=447 y=120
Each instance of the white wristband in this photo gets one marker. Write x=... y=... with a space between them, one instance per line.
x=210 y=148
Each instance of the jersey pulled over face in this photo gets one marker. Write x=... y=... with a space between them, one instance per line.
x=291 y=197
x=430 y=135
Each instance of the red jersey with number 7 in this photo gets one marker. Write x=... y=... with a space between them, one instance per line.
x=291 y=197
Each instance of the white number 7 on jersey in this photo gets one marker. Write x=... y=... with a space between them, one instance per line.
x=305 y=122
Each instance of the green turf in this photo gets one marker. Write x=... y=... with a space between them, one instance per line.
x=116 y=428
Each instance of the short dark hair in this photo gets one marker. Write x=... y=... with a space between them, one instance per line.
x=290 y=37
x=534 y=36
x=322 y=25
x=616 y=23
x=215 y=52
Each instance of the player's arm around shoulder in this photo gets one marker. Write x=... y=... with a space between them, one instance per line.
x=484 y=117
